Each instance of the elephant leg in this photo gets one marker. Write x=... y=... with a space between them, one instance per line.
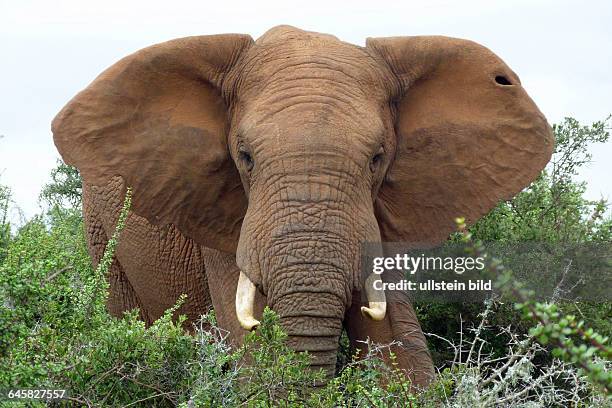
x=153 y=266
x=222 y=274
x=401 y=327
x=121 y=296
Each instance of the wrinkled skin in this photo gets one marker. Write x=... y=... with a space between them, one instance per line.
x=279 y=158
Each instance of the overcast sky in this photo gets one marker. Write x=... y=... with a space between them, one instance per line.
x=49 y=50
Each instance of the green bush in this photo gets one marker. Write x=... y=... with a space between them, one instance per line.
x=56 y=333
x=65 y=189
x=551 y=210
x=5 y=228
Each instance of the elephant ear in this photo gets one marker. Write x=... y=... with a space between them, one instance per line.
x=157 y=118
x=467 y=136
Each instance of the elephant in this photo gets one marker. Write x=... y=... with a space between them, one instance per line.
x=259 y=168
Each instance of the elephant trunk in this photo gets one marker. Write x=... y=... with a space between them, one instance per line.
x=305 y=258
x=312 y=329
x=309 y=328
x=310 y=295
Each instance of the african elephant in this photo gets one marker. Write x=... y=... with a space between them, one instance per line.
x=259 y=167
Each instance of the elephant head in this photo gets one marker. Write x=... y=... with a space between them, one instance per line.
x=292 y=150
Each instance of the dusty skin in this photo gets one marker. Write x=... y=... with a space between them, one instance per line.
x=273 y=160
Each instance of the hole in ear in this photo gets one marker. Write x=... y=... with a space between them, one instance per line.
x=502 y=80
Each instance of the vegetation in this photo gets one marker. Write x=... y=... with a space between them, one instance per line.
x=552 y=210
x=55 y=332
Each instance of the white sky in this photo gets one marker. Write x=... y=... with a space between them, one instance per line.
x=49 y=50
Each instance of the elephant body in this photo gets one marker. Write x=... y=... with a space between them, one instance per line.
x=154 y=265
x=259 y=168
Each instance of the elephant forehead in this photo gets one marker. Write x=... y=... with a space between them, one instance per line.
x=285 y=32
x=320 y=64
x=315 y=82
x=312 y=122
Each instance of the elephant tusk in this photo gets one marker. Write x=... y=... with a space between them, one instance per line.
x=378 y=308
x=245 y=299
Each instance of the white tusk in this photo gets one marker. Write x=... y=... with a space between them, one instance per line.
x=245 y=299
x=378 y=308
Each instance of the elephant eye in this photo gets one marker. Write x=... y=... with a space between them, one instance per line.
x=377 y=159
x=502 y=80
x=246 y=158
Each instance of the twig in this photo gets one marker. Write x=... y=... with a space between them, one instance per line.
x=55 y=274
x=144 y=399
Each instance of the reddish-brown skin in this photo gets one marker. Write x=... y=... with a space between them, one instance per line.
x=280 y=157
